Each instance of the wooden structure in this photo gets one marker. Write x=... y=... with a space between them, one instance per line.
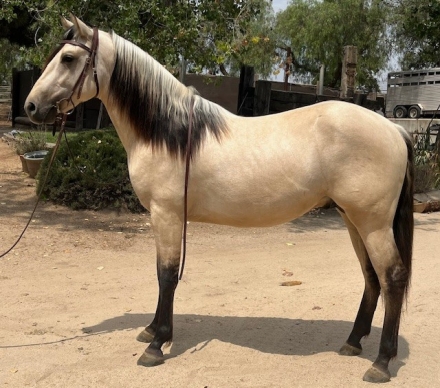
x=348 y=76
x=263 y=99
x=90 y=115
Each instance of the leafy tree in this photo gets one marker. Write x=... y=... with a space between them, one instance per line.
x=417 y=32
x=318 y=30
x=13 y=26
x=210 y=35
x=13 y=35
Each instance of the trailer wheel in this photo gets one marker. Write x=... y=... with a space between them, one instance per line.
x=399 y=112
x=414 y=112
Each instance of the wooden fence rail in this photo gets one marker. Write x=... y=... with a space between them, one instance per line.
x=263 y=100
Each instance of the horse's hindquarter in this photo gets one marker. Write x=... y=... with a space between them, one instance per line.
x=272 y=169
x=363 y=156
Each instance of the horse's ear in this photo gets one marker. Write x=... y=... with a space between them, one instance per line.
x=66 y=23
x=82 y=29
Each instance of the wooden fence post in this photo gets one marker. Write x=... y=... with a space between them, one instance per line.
x=349 y=63
x=262 y=98
x=79 y=118
x=15 y=108
x=287 y=68
x=320 y=88
x=246 y=81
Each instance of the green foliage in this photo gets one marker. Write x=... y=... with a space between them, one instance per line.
x=30 y=141
x=427 y=162
x=10 y=57
x=318 y=30
x=417 y=32
x=96 y=178
x=210 y=35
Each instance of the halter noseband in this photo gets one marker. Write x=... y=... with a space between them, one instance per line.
x=90 y=61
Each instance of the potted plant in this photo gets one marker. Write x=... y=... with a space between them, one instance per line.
x=32 y=148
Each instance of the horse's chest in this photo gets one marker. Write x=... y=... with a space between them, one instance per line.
x=155 y=178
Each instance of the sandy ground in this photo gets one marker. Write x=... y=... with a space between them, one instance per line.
x=81 y=285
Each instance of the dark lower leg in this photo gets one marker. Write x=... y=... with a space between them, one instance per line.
x=149 y=332
x=162 y=324
x=364 y=318
x=397 y=278
x=151 y=328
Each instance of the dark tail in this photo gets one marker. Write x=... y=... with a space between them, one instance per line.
x=403 y=224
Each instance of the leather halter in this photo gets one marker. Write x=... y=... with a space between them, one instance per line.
x=90 y=62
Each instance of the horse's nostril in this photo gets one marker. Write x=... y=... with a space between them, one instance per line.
x=31 y=107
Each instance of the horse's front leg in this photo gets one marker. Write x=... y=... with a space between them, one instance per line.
x=168 y=233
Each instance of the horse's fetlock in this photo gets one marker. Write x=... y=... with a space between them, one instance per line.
x=165 y=333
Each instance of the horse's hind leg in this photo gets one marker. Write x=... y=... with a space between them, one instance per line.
x=393 y=278
x=362 y=324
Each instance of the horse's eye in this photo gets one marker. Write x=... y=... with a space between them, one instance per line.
x=67 y=59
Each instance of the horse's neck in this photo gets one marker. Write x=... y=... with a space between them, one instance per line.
x=126 y=134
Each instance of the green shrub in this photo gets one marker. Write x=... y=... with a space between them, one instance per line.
x=96 y=178
x=30 y=141
x=426 y=163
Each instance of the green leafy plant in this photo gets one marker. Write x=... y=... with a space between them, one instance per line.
x=30 y=141
x=426 y=160
x=90 y=173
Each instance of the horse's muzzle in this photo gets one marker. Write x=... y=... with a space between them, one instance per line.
x=40 y=114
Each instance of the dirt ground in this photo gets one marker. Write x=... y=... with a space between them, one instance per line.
x=80 y=286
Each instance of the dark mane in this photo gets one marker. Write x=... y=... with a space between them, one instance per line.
x=157 y=105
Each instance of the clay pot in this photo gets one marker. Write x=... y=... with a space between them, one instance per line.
x=24 y=167
x=33 y=161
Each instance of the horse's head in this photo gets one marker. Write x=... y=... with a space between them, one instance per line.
x=72 y=73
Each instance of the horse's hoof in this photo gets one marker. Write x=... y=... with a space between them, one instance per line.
x=350 y=350
x=145 y=336
x=376 y=375
x=151 y=357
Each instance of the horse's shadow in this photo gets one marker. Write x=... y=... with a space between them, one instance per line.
x=268 y=335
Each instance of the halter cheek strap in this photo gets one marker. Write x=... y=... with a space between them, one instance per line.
x=90 y=62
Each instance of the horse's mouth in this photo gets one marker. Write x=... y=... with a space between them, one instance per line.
x=42 y=115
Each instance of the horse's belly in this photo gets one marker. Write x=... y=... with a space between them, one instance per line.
x=242 y=213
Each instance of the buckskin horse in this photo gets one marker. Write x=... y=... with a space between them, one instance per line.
x=245 y=172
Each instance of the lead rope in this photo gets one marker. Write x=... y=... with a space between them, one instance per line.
x=185 y=199
x=52 y=158
x=90 y=61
